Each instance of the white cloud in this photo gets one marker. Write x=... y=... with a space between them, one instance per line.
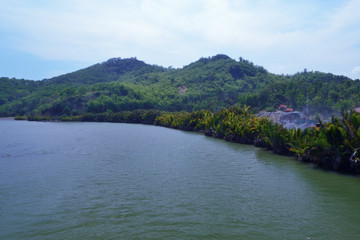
x=272 y=33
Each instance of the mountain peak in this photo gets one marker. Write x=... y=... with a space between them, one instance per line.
x=215 y=58
x=220 y=57
x=124 y=61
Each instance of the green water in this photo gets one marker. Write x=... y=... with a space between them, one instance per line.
x=122 y=181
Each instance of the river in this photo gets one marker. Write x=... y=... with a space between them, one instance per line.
x=123 y=181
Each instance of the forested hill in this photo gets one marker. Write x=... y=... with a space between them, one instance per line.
x=114 y=69
x=209 y=83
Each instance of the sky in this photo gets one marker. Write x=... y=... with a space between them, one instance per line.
x=41 y=39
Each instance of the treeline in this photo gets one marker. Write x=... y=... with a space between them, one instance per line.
x=333 y=145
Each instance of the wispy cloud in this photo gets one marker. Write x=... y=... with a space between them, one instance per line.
x=282 y=36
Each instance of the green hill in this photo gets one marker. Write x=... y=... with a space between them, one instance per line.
x=209 y=83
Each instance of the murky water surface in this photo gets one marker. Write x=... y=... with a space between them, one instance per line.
x=121 y=181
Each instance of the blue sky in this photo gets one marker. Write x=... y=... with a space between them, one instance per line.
x=41 y=39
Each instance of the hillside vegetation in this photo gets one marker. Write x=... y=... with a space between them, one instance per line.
x=210 y=83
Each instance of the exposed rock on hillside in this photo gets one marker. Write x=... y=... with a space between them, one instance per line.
x=289 y=119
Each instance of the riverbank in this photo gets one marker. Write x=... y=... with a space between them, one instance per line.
x=334 y=145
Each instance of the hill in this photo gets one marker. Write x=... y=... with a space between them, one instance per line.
x=209 y=83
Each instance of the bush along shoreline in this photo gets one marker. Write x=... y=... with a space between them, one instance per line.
x=334 y=145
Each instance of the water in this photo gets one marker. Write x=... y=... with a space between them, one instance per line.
x=122 y=181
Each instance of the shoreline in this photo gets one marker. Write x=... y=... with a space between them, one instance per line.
x=319 y=145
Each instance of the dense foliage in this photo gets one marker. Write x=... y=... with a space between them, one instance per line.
x=209 y=83
x=311 y=92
